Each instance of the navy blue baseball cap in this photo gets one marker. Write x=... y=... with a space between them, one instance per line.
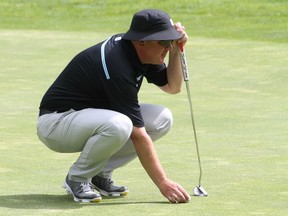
x=151 y=24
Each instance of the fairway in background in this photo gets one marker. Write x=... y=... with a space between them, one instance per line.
x=245 y=19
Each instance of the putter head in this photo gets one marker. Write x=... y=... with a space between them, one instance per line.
x=199 y=191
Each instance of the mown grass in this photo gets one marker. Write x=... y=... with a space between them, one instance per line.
x=247 y=19
x=238 y=81
x=241 y=119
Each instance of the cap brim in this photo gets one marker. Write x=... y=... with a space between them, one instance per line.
x=168 y=34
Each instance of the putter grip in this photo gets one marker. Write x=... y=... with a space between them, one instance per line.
x=183 y=63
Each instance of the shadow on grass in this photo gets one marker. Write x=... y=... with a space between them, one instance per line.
x=38 y=201
x=48 y=201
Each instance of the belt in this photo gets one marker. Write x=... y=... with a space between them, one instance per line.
x=45 y=111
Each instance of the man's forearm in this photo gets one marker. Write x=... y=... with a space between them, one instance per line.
x=174 y=72
x=144 y=147
x=148 y=157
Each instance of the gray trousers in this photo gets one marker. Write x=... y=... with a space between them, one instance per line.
x=101 y=136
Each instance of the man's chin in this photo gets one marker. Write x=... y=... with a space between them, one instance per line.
x=160 y=61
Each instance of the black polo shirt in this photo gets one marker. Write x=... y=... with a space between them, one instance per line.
x=107 y=75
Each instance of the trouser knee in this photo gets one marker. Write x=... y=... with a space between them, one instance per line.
x=158 y=120
x=167 y=121
x=163 y=123
x=121 y=128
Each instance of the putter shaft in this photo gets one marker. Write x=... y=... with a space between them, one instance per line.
x=194 y=129
x=186 y=79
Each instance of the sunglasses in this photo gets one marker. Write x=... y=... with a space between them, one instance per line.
x=166 y=43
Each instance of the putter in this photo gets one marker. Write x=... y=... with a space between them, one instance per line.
x=198 y=190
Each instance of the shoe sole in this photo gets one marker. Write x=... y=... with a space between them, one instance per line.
x=111 y=194
x=76 y=199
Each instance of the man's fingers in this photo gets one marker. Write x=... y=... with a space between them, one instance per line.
x=179 y=196
x=181 y=29
x=184 y=193
x=174 y=192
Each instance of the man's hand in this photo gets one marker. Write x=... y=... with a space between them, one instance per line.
x=150 y=161
x=174 y=192
x=181 y=30
x=174 y=70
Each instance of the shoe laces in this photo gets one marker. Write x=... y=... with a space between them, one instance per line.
x=110 y=182
x=86 y=187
